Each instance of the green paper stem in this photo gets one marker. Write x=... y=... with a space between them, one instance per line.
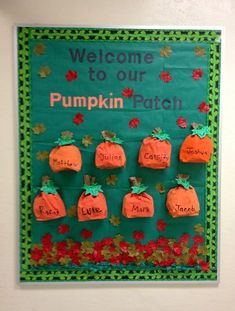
x=111 y=137
x=48 y=187
x=137 y=187
x=91 y=187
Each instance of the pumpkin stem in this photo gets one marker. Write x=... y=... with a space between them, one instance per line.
x=90 y=187
x=157 y=130
x=111 y=137
x=48 y=186
x=135 y=181
x=89 y=180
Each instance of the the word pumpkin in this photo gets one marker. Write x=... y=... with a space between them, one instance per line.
x=137 y=203
x=110 y=153
x=48 y=204
x=182 y=200
x=155 y=151
x=92 y=203
x=197 y=147
x=65 y=156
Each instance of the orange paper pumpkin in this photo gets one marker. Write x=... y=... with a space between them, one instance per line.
x=65 y=156
x=110 y=153
x=197 y=147
x=155 y=151
x=48 y=204
x=182 y=200
x=92 y=203
x=137 y=203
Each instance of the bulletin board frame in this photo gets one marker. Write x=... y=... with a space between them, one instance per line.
x=153 y=274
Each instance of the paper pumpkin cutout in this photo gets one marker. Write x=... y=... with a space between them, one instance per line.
x=48 y=204
x=155 y=151
x=197 y=147
x=110 y=153
x=137 y=203
x=182 y=200
x=92 y=203
x=66 y=156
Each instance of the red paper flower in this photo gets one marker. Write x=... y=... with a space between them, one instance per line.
x=138 y=235
x=36 y=254
x=64 y=228
x=193 y=250
x=184 y=238
x=162 y=241
x=198 y=239
x=86 y=234
x=127 y=92
x=197 y=74
x=191 y=261
x=177 y=249
x=71 y=75
x=133 y=123
x=124 y=246
x=78 y=119
x=204 y=265
x=203 y=107
x=161 y=225
x=165 y=76
x=181 y=122
x=166 y=250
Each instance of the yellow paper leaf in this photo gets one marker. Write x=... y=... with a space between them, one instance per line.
x=115 y=221
x=39 y=49
x=111 y=180
x=118 y=238
x=44 y=72
x=42 y=155
x=87 y=140
x=199 y=228
x=39 y=128
x=202 y=250
x=132 y=251
x=72 y=211
x=160 y=188
x=165 y=51
x=199 y=51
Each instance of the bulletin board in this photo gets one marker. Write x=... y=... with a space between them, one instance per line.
x=128 y=81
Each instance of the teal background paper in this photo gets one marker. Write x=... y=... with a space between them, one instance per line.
x=180 y=64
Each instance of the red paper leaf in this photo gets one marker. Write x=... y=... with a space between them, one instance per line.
x=203 y=107
x=177 y=249
x=36 y=254
x=181 y=122
x=64 y=228
x=165 y=76
x=161 y=225
x=133 y=123
x=184 y=238
x=204 y=265
x=198 y=239
x=71 y=75
x=197 y=74
x=86 y=234
x=127 y=92
x=78 y=119
x=138 y=235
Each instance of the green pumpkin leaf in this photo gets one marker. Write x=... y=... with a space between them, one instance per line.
x=183 y=182
x=201 y=131
x=160 y=134
x=114 y=140
x=49 y=187
x=93 y=189
x=138 y=189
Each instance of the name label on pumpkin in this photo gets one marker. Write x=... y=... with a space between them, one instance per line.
x=157 y=157
x=65 y=163
x=45 y=211
x=196 y=151
x=140 y=209
x=185 y=209
x=91 y=211
x=110 y=157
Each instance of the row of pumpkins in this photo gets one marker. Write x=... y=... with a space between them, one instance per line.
x=155 y=153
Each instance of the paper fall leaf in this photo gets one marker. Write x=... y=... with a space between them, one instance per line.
x=199 y=228
x=165 y=51
x=38 y=129
x=72 y=211
x=111 y=180
x=87 y=140
x=160 y=188
x=199 y=51
x=115 y=221
x=44 y=72
x=42 y=155
x=39 y=49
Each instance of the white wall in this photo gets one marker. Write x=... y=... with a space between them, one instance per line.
x=139 y=298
